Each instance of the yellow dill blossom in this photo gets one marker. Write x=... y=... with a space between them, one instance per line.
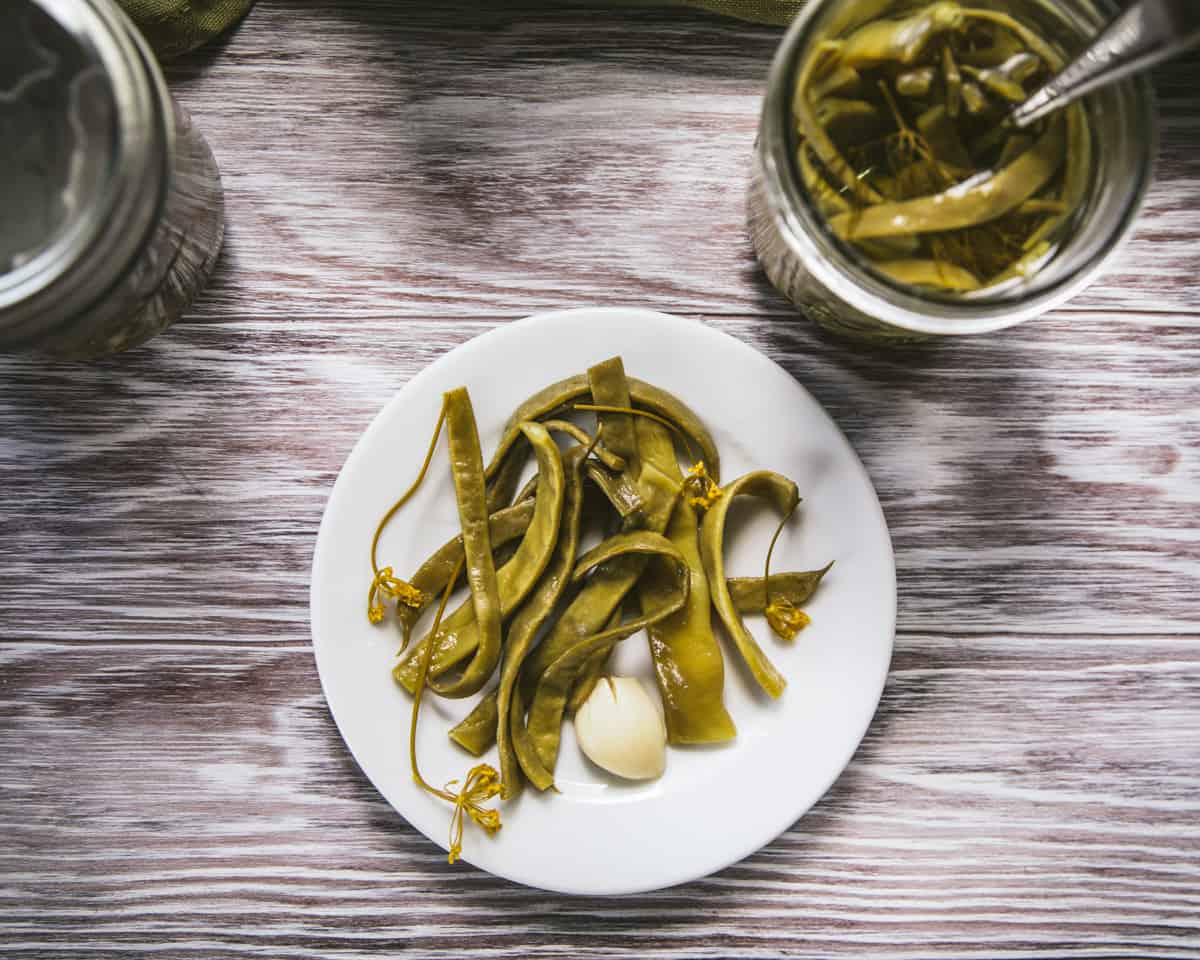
x=785 y=618
x=482 y=783
x=702 y=491
x=386 y=584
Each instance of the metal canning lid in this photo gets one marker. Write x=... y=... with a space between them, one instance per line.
x=82 y=183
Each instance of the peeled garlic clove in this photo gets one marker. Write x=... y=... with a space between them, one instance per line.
x=619 y=729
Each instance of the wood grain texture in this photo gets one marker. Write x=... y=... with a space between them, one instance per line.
x=402 y=178
x=203 y=798
x=407 y=159
x=1045 y=480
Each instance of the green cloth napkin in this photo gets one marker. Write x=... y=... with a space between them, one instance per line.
x=177 y=26
x=780 y=12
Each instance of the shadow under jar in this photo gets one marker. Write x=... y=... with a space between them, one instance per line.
x=841 y=241
x=112 y=205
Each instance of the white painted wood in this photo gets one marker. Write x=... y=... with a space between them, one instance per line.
x=1013 y=797
x=401 y=177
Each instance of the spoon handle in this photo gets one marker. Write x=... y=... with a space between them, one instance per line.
x=1146 y=33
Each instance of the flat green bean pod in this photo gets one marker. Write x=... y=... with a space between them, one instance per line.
x=828 y=200
x=476 y=732
x=555 y=682
x=585 y=440
x=781 y=493
x=965 y=204
x=608 y=385
x=432 y=575
x=533 y=614
x=523 y=746
x=1075 y=176
x=618 y=489
x=466 y=470
x=915 y=83
x=630 y=436
x=561 y=395
x=622 y=431
x=953 y=80
x=459 y=637
x=816 y=136
x=595 y=603
x=1006 y=79
x=749 y=594
x=688 y=666
x=839 y=81
x=929 y=273
x=842 y=113
x=900 y=41
x=502 y=481
x=593 y=668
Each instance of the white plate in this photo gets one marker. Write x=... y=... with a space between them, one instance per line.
x=714 y=805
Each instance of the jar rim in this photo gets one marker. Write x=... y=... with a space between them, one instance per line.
x=838 y=270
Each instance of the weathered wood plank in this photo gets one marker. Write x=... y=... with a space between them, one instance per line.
x=403 y=176
x=1045 y=480
x=450 y=160
x=1015 y=797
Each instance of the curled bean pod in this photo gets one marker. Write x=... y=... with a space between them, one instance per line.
x=782 y=494
x=561 y=395
x=555 y=682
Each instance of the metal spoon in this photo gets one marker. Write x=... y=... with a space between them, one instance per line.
x=1146 y=33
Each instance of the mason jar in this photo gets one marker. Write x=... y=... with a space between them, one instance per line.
x=835 y=286
x=112 y=207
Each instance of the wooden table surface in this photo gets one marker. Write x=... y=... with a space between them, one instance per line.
x=401 y=177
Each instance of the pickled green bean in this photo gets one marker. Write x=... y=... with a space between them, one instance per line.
x=618 y=489
x=688 y=666
x=534 y=613
x=459 y=636
x=431 y=577
x=929 y=273
x=963 y=205
x=476 y=732
x=555 y=681
x=559 y=396
x=466 y=470
x=899 y=41
x=914 y=83
x=796 y=587
x=783 y=495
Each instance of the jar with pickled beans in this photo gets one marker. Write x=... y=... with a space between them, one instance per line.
x=889 y=199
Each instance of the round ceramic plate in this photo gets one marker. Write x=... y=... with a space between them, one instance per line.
x=714 y=805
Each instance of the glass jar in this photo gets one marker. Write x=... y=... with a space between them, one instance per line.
x=831 y=283
x=112 y=201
